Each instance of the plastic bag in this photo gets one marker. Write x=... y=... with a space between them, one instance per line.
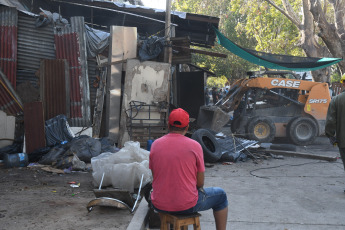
x=122 y=169
x=151 y=48
x=52 y=156
x=107 y=145
x=85 y=148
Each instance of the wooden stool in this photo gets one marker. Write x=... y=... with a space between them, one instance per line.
x=180 y=221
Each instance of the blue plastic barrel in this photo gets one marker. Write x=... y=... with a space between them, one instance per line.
x=149 y=143
x=16 y=160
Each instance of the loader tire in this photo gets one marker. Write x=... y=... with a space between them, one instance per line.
x=209 y=144
x=302 y=130
x=261 y=129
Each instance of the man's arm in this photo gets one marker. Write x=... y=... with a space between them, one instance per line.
x=331 y=120
x=200 y=178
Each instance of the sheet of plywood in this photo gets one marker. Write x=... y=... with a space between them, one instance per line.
x=34 y=126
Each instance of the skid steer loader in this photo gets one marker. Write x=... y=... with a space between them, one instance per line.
x=280 y=105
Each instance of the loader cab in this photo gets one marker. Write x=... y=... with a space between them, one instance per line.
x=273 y=74
x=306 y=76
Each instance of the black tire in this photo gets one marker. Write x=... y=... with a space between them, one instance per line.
x=261 y=129
x=209 y=144
x=302 y=130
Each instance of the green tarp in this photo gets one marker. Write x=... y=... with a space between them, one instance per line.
x=274 y=61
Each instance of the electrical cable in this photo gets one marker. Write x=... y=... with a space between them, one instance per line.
x=278 y=166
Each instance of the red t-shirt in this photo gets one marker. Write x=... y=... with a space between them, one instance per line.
x=175 y=161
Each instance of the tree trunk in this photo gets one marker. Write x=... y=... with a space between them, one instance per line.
x=328 y=32
x=333 y=36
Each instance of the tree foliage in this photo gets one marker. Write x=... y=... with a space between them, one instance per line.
x=273 y=32
x=231 y=67
x=313 y=28
x=218 y=82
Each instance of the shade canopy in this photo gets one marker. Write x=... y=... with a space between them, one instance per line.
x=275 y=61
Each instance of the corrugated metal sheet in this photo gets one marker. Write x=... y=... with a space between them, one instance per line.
x=34 y=44
x=27 y=75
x=54 y=81
x=105 y=13
x=8 y=42
x=71 y=45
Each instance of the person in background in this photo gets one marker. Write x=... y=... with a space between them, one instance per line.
x=220 y=94
x=226 y=90
x=207 y=96
x=177 y=165
x=331 y=93
x=335 y=122
x=215 y=97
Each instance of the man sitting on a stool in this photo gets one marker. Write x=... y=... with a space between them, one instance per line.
x=177 y=166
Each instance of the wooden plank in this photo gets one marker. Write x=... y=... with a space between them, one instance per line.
x=209 y=53
x=98 y=111
x=302 y=155
x=34 y=126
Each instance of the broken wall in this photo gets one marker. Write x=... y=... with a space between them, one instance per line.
x=145 y=101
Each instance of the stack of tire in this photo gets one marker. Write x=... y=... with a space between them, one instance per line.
x=209 y=144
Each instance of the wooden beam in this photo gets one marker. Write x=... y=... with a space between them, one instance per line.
x=98 y=110
x=302 y=155
x=214 y=54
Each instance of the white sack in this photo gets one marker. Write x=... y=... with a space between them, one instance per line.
x=122 y=169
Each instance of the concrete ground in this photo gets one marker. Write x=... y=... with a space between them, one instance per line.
x=287 y=194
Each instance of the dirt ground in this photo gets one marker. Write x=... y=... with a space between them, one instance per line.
x=35 y=199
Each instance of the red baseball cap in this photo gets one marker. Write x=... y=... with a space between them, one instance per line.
x=179 y=118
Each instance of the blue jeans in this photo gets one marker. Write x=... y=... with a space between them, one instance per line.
x=342 y=155
x=208 y=198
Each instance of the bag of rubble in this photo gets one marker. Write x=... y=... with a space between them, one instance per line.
x=85 y=148
x=122 y=169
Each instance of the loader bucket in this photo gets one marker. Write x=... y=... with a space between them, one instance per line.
x=212 y=117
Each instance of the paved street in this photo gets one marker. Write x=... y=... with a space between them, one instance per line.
x=286 y=194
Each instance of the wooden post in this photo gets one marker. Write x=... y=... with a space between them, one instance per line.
x=98 y=110
x=168 y=48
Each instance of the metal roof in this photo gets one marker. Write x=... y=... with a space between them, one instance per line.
x=149 y=21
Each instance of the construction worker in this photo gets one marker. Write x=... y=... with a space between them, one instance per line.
x=335 y=121
x=177 y=166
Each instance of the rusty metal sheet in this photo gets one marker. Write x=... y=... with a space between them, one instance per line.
x=54 y=81
x=8 y=42
x=10 y=102
x=34 y=126
x=67 y=48
x=70 y=45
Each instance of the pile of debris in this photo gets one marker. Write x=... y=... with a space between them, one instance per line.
x=220 y=147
